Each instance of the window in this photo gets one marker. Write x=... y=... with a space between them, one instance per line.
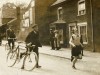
x=26 y=14
x=26 y=23
x=32 y=4
x=60 y=13
x=81 y=7
x=31 y=16
x=82 y=30
x=82 y=27
x=71 y=27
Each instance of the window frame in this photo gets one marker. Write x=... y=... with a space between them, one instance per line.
x=80 y=10
x=78 y=25
x=82 y=25
x=58 y=14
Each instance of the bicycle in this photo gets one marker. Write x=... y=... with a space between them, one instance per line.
x=29 y=61
x=7 y=47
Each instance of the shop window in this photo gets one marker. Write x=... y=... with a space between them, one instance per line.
x=83 y=32
x=81 y=7
x=26 y=23
x=60 y=13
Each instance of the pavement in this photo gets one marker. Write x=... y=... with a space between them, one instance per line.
x=63 y=52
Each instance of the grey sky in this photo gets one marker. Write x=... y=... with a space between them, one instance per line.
x=14 y=1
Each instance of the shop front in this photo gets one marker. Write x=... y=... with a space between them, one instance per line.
x=61 y=27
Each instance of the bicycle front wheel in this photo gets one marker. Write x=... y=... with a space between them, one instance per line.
x=7 y=47
x=11 y=58
x=30 y=61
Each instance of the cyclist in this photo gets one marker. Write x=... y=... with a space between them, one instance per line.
x=33 y=39
x=11 y=37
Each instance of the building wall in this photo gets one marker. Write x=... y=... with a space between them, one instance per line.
x=96 y=24
x=42 y=18
x=46 y=15
x=70 y=14
x=10 y=12
x=27 y=20
x=93 y=24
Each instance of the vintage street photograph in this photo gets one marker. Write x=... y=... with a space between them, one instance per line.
x=49 y=37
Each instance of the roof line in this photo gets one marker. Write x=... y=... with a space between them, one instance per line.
x=58 y=2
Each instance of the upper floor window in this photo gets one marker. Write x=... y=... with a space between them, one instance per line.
x=60 y=13
x=81 y=7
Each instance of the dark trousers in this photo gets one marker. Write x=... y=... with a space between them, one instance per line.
x=52 y=44
x=0 y=41
x=11 y=43
x=82 y=51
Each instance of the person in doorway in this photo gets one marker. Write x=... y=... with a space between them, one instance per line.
x=76 y=47
x=81 y=40
x=33 y=39
x=11 y=37
x=1 y=39
x=52 y=36
x=57 y=39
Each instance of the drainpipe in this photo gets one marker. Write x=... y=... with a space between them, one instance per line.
x=92 y=27
x=34 y=9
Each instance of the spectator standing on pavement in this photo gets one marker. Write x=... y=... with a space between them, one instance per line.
x=76 y=47
x=81 y=40
x=52 y=36
x=11 y=37
x=57 y=40
x=1 y=38
x=33 y=39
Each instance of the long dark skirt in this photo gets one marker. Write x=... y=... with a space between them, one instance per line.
x=76 y=50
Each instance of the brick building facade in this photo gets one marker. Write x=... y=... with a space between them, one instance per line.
x=66 y=14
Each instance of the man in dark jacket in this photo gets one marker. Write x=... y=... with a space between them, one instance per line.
x=11 y=37
x=81 y=40
x=52 y=37
x=33 y=39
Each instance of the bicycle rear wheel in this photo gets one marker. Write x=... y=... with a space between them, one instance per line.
x=11 y=58
x=30 y=61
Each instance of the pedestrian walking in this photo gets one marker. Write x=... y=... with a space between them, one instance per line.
x=57 y=40
x=52 y=37
x=76 y=47
x=11 y=37
x=33 y=39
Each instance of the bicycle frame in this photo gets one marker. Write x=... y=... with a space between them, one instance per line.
x=29 y=57
x=27 y=52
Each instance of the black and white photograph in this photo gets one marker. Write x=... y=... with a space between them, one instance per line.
x=49 y=37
